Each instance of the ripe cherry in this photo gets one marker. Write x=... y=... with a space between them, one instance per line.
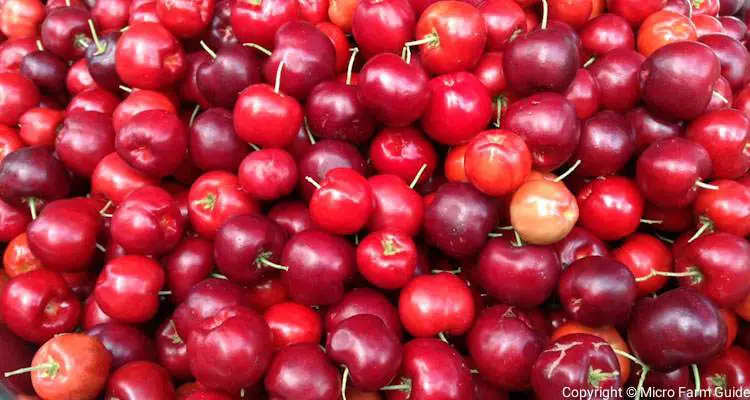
x=342 y=189
x=373 y=18
x=266 y=117
x=291 y=323
x=203 y=301
x=83 y=140
x=256 y=22
x=153 y=142
x=364 y=301
x=662 y=28
x=724 y=134
x=611 y=208
x=148 y=222
x=298 y=370
x=647 y=258
x=436 y=304
x=387 y=258
x=543 y=211
x=129 y=382
x=387 y=81
x=617 y=75
x=213 y=143
x=115 y=179
x=268 y=174
x=491 y=152
x=124 y=342
x=126 y=281
x=163 y=69
x=20 y=95
x=215 y=197
x=245 y=244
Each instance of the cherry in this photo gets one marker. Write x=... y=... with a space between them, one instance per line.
x=732 y=56
x=142 y=11
x=543 y=203
x=314 y=11
x=709 y=7
x=139 y=101
x=502 y=262
x=257 y=22
x=584 y=93
x=215 y=197
x=162 y=70
x=605 y=33
x=577 y=244
x=79 y=78
x=726 y=373
x=126 y=281
x=497 y=150
x=403 y=152
x=489 y=71
x=578 y=361
x=459 y=219
x=12 y=51
x=38 y=305
x=65 y=32
x=268 y=174
x=188 y=263
x=93 y=100
x=369 y=351
x=432 y=369
x=171 y=351
x=83 y=140
x=505 y=20
x=611 y=208
x=541 y=60
x=18 y=355
x=606 y=145
x=231 y=69
x=129 y=382
x=459 y=108
x=726 y=209
x=548 y=124
x=70 y=366
x=301 y=371
x=38 y=126
x=319 y=265
x=187 y=88
x=387 y=258
x=647 y=258
x=670 y=171
x=185 y=18
x=597 y=291
x=663 y=28
x=9 y=141
x=617 y=74
x=649 y=128
x=733 y=27
x=148 y=222
x=397 y=206
x=717 y=265
x=93 y=314
x=124 y=342
x=342 y=188
x=46 y=70
x=110 y=14
x=205 y=300
x=265 y=117
x=13 y=222
x=292 y=323
x=706 y=25
x=20 y=19
x=19 y=95
x=339 y=39
x=364 y=301
x=724 y=134
x=292 y=216
x=436 y=304
x=235 y=335
x=336 y=110
x=387 y=81
x=115 y=179
x=245 y=244
x=690 y=330
x=374 y=18
x=153 y=142
x=308 y=55
x=455 y=167
x=663 y=73
x=322 y=158
x=213 y=143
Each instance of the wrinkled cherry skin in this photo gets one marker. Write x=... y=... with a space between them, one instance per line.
x=153 y=142
x=64 y=235
x=435 y=370
x=370 y=351
x=140 y=380
x=459 y=219
x=402 y=152
x=234 y=336
x=722 y=261
x=19 y=95
x=431 y=304
x=597 y=291
x=543 y=203
x=166 y=65
x=213 y=143
x=648 y=128
x=666 y=71
x=84 y=139
x=507 y=366
x=302 y=371
x=644 y=254
x=124 y=342
x=364 y=301
x=502 y=264
x=215 y=197
x=727 y=208
x=320 y=264
x=724 y=134
x=342 y=189
x=38 y=305
x=571 y=362
x=549 y=125
x=727 y=372
x=577 y=244
x=606 y=145
x=291 y=323
x=115 y=179
x=611 y=208
x=617 y=74
x=126 y=281
x=667 y=171
x=148 y=222
x=372 y=18
x=675 y=329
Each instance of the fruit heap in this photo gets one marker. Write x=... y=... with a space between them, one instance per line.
x=374 y=199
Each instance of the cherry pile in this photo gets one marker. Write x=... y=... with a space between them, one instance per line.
x=374 y=199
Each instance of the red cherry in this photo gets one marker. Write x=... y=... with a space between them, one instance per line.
x=436 y=304
x=611 y=208
x=257 y=22
x=497 y=162
x=403 y=152
x=139 y=101
x=342 y=189
x=21 y=18
x=185 y=18
x=93 y=100
x=19 y=95
x=115 y=179
x=163 y=69
x=214 y=198
x=725 y=135
x=292 y=323
x=383 y=26
x=153 y=142
x=140 y=380
x=646 y=257
x=147 y=222
x=126 y=281
x=397 y=206
x=505 y=20
x=65 y=32
x=726 y=209
x=39 y=126
x=387 y=258
x=265 y=117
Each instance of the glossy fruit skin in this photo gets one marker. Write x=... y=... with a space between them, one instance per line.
x=46 y=70
x=723 y=262
x=497 y=162
x=504 y=20
x=65 y=32
x=606 y=145
x=459 y=108
x=204 y=300
x=126 y=281
x=83 y=365
x=324 y=156
x=292 y=216
x=435 y=371
x=371 y=18
x=32 y=172
x=213 y=143
x=234 y=336
x=370 y=351
x=642 y=254
x=115 y=179
x=387 y=258
x=20 y=94
x=459 y=219
x=291 y=323
x=649 y=128
x=153 y=142
x=342 y=189
x=266 y=118
x=140 y=380
x=583 y=284
x=160 y=224
x=162 y=70
x=234 y=68
x=18 y=258
x=726 y=208
x=396 y=205
x=364 y=301
x=727 y=372
x=521 y=345
x=606 y=32
x=724 y=134
x=84 y=139
x=546 y=203
x=386 y=81
x=665 y=179
x=695 y=327
x=431 y=304
x=549 y=125
x=257 y=22
x=336 y=110
x=570 y=362
x=617 y=75
x=584 y=94
x=402 y=152
x=663 y=28
x=38 y=305
x=215 y=197
x=732 y=56
x=124 y=342
x=320 y=264
x=302 y=371
x=191 y=261
x=661 y=73
x=577 y=244
x=611 y=208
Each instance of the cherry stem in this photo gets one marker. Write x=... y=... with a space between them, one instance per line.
x=125 y=89
x=99 y=48
x=494 y=235
x=51 y=366
x=312 y=182
x=450 y=271
x=664 y=239
x=272 y=264
x=356 y=238
x=474 y=371
x=505 y=228
x=344 y=378
x=124 y=29
x=219 y=276
x=589 y=62
x=430 y=38
x=258 y=47
x=500 y=104
x=641 y=381
x=165 y=292
x=697 y=376
x=39 y=45
x=629 y=357
x=651 y=221
x=704 y=185
x=654 y=273
x=545 y=14
x=194 y=114
x=690 y=9
x=700 y=231
x=67 y=3
x=309 y=132
x=418 y=176
x=106 y=207
x=518 y=242
x=101 y=248
x=442 y=337
x=722 y=98
x=396 y=387
x=32 y=207
x=277 y=85
x=208 y=49
x=406 y=54
x=569 y=171
x=254 y=146
x=349 y=68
